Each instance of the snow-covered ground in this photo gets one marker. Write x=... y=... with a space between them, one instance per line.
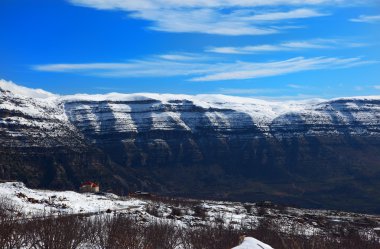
x=252 y=243
x=41 y=202
x=36 y=203
x=33 y=202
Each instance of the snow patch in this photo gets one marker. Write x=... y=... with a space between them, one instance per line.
x=37 y=202
x=24 y=91
x=252 y=243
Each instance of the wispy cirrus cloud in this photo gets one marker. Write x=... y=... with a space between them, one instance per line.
x=200 y=69
x=132 y=69
x=207 y=21
x=226 y=17
x=367 y=19
x=297 y=86
x=278 y=16
x=243 y=70
x=183 y=57
x=154 y=4
x=287 y=46
x=246 y=91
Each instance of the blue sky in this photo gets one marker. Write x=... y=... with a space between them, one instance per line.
x=268 y=49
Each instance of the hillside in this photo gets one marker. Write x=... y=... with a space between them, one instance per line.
x=178 y=222
x=315 y=153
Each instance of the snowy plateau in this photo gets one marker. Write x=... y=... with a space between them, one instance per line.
x=134 y=113
x=311 y=153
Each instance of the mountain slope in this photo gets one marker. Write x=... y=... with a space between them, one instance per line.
x=313 y=153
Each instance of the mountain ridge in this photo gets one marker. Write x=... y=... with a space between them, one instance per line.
x=261 y=112
x=312 y=153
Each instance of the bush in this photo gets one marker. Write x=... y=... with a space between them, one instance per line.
x=109 y=231
x=210 y=237
x=176 y=211
x=153 y=210
x=12 y=228
x=60 y=232
x=200 y=212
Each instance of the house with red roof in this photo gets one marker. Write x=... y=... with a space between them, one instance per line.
x=89 y=186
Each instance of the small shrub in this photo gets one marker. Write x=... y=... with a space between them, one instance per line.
x=248 y=207
x=200 y=212
x=153 y=210
x=176 y=211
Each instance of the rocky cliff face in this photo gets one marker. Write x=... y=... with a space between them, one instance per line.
x=27 y=122
x=311 y=152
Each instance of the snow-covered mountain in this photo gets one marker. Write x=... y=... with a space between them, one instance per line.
x=126 y=114
x=134 y=113
x=194 y=144
x=28 y=122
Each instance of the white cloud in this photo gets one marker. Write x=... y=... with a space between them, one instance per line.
x=165 y=4
x=293 y=14
x=241 y=71
x=245 y=91
x=295 y=86
x=377 y=87
x=209 y=21
x=308 y=98
x=247 y=49
x=157 y=66
x=220 y=17
x=287 y=46
x=200 y=70
x=366 y=19
x=307 y=44
x=359 y=88
x=181 y=57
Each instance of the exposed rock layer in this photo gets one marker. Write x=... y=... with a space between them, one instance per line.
x=313 y=153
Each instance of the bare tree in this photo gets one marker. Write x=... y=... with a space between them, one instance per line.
x=162 y=235
x=12 y=227
x=61 y=232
